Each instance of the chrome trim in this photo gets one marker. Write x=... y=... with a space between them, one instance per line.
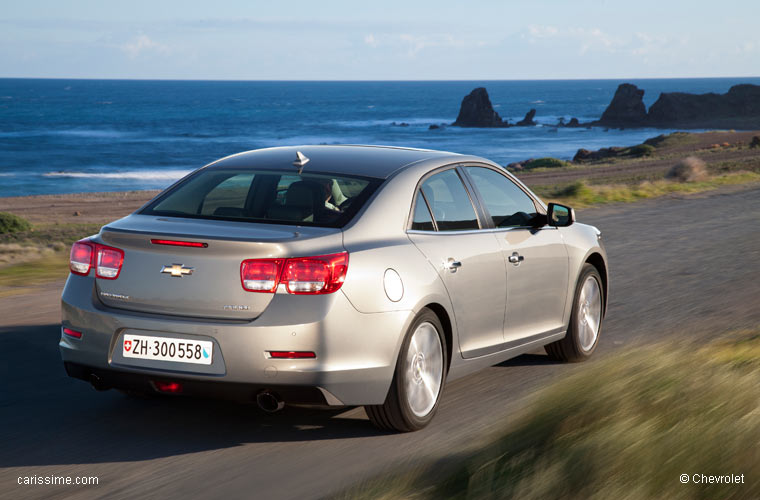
x=486 y=230
x=177 y=270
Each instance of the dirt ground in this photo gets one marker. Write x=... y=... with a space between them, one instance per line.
x=63 y=208
x=737 y=153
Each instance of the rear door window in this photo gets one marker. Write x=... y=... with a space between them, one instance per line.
x=449 y=201
x=422 y=221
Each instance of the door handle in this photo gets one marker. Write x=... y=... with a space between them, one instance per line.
x=516 y=258
x=452 y=265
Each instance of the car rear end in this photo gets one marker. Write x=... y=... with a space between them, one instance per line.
x=229 y=285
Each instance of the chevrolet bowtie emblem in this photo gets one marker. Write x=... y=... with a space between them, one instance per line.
x=177 y=270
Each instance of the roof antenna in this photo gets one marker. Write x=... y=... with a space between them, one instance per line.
x=300 y=161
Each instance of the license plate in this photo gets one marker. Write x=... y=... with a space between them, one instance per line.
x=166 y=349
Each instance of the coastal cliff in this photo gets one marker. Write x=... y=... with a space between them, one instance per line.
x=739 y=108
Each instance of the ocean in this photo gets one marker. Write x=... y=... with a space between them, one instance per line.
x=66 y=136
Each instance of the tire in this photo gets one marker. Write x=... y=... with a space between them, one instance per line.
x=421 y=364
x=588 y=310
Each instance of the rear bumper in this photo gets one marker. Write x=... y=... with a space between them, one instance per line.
x=105 y=379
x=356 y=352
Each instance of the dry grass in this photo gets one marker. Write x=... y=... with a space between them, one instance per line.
x=581 y=194
x=626 y=427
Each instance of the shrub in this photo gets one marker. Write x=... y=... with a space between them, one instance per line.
x=544 y=163
x=10 y=223
x=690 y=169
x=642 y=150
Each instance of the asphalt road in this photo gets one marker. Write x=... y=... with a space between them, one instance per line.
x=688 y=267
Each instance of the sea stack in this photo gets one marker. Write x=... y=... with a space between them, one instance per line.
x=477 y=111
x=626 y=108
x=528 y=120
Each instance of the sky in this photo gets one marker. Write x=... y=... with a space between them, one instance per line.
x=380 y=40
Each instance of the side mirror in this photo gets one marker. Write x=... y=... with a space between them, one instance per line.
x=560 y=215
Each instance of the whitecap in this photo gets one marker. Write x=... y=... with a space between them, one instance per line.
x=139 y=175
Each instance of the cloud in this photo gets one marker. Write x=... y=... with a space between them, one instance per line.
x=586 y=39
x=143 y=44
x=411 y=45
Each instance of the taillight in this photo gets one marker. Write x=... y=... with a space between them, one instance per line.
x=313 y=275
x=80 y=259
x=260 y=275
x=106 y=260
x=109 y=261
x=301 y=276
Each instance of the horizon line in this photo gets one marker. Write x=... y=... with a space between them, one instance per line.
x=272 y=80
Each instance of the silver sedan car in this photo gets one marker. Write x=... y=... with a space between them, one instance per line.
x=332 y=275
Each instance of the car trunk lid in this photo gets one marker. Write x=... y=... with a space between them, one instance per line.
x=200 y=281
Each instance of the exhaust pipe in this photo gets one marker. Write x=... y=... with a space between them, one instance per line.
x=269 y=401
x=97 y=383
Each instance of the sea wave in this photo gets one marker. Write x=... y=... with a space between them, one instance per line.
x=391 y=121
x=92 y=133
x=140 y=175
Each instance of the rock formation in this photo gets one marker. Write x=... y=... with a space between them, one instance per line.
x=528 y=120
x=626 y=108
x=737 y=108
x=477 y=111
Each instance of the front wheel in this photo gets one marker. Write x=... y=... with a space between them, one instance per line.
x=585 y=320
x=419 y=378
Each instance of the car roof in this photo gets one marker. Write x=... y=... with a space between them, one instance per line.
x=369 y=161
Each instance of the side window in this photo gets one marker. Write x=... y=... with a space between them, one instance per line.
x=228 y=197
x=422 y=220
x=508 y=205
x=449 y=201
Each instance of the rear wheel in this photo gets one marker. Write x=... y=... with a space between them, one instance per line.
x=585 y=320
x=419 y=378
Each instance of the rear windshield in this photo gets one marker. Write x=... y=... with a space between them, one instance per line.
x=312 y=199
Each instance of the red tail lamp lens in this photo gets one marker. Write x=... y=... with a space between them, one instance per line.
x=301 y=276
x=72 y=333
x=170 y=387
x=305 y=275
x=106 y=260
x=109 y=262
x=260 y=275
x=80 y=259
x=292 y=354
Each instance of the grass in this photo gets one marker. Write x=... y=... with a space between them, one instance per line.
x=625 y=427
x=671 y=140
x=582 y=194
x=545 y=163
x=52 y=267
x=38 y=255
